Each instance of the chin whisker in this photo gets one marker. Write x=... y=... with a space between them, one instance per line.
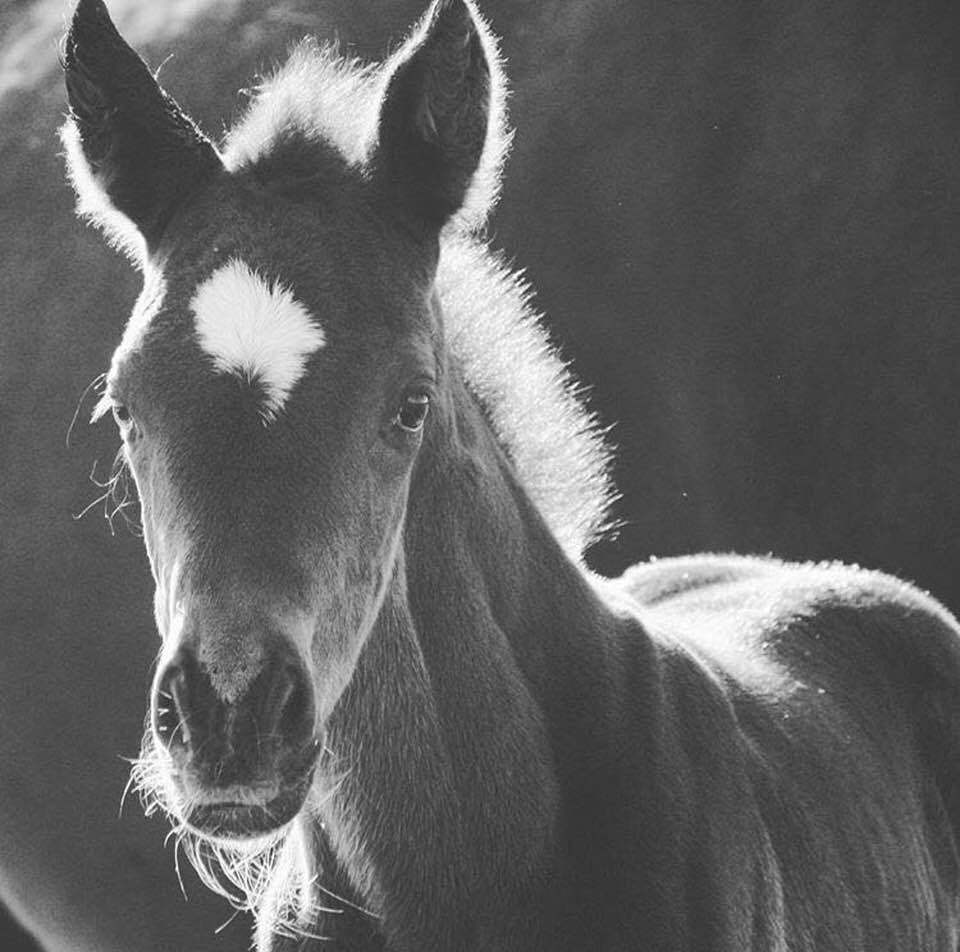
x=274 y=877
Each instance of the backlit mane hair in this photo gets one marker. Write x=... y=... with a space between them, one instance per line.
x=504 y=352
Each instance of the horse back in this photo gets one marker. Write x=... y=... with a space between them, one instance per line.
x=836 y=715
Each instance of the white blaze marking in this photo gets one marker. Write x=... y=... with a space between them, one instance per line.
x=255 y=330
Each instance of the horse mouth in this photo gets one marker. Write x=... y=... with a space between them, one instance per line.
x=228 y=817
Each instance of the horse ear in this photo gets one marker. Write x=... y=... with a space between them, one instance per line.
x=130 y=149
x=435 y=115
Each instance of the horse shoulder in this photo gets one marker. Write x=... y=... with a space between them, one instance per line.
x=863 y=641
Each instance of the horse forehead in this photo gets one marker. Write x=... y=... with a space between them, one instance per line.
x=253 y=288
x=255 y=328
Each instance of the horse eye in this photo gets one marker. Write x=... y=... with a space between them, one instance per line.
x=413 y=411
x=121 y=414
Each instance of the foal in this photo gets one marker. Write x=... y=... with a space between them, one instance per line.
x=392 y=710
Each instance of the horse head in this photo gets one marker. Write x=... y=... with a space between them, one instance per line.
x=274 y=386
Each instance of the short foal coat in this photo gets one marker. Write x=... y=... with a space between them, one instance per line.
x=714 y=753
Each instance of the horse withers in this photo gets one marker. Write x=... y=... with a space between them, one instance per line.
x=392 y=709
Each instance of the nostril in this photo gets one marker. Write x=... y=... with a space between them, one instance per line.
x=287 y=707
x=295 y=711
x=170 y=718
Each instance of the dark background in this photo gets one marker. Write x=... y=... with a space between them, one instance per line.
x=741 y=220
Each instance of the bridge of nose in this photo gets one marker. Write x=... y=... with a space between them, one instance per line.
x=231 y=647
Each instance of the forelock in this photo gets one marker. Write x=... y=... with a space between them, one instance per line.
x=320 y=96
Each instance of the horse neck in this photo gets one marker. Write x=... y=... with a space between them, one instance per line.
x=450 y=801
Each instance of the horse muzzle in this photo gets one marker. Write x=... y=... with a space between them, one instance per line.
x=242 y=766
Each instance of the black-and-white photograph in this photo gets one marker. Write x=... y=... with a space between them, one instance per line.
x=479 y=476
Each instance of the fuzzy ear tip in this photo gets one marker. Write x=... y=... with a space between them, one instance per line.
x=94 y=57
x=455 y=14
x=90 y=20
x=87 y=10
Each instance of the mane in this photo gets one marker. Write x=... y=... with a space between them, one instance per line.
x=504 y=351
x=530 y=395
